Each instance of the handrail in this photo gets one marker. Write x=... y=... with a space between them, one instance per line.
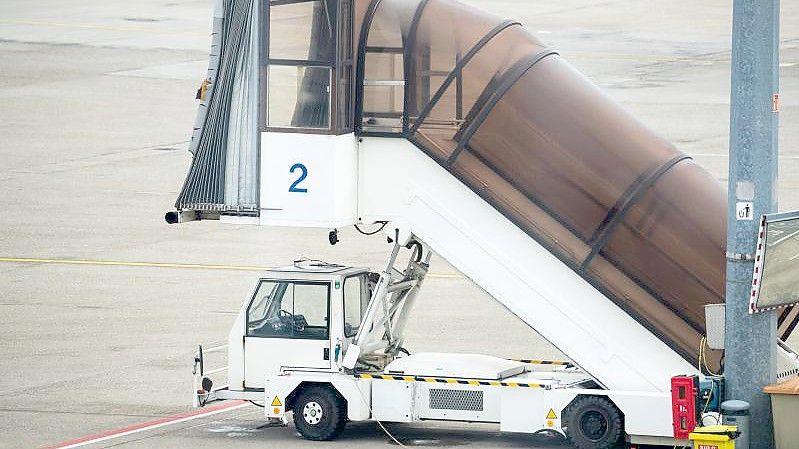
x=363 y=39
x=202 y=395
x=409 y=62
x=456 y=71
x=507 y=81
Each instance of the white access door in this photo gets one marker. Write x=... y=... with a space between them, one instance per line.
x=288 y=326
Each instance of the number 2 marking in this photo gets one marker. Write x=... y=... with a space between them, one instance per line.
x=303 y=174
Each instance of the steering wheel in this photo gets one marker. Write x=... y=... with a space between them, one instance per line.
x=295 y=322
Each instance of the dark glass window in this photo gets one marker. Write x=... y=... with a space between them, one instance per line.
x=383 y=82
x=558 y=157
x=310 y=60
x=345 y=94
x=302 y=31
x=567 y=145
x=443 y=124
x=519 y=208
x=673 y=241
x=304 y=100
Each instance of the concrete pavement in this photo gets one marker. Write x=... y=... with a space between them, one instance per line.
x=96 y=107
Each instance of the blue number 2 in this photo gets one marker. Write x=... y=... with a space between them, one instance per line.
x=303 y=174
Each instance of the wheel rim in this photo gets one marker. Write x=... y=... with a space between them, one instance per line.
x=312 y=413
x=593 y=425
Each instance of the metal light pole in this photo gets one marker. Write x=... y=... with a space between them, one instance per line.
x=750 y=341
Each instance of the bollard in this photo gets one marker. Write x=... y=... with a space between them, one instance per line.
x=736 y=413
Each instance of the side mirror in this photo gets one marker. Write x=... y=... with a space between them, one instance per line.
x=351 y=356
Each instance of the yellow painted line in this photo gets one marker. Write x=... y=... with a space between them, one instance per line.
x=131 y=264
x=444 y=275
x=116 y=263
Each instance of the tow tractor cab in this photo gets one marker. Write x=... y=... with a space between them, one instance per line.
x=302 y=316
x=324 y=343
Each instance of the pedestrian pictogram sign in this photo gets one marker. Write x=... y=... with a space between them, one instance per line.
x=276 y=402
x=551 y=414
x=744 y=210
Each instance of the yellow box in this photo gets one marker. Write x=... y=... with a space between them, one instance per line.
x=714 y=437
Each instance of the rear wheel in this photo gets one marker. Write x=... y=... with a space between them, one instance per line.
x=319 y=414
x=593 y=422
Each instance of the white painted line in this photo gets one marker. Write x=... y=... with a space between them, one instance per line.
x=136 y=428
x=784 y=238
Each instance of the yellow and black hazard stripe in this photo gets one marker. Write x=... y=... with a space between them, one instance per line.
x=545 y=362
x=450 y=380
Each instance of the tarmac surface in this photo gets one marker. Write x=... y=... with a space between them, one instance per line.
x=103 y=303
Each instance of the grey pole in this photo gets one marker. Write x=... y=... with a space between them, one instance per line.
x=750 y=340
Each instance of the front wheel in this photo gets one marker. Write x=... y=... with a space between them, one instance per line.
x=593 y=422
x=319 y=414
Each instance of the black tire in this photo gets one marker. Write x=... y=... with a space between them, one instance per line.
x=319 y=414
x=593 y=422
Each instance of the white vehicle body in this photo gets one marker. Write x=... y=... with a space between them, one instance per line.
x=376 y=381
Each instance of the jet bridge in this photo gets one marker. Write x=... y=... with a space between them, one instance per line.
x=467 y=131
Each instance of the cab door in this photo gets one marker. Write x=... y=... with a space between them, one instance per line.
x=288 y=326
x=356 y=299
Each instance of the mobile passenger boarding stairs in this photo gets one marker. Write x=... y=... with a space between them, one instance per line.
x=370 y=376
x=456 y=132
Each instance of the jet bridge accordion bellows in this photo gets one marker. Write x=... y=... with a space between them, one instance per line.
x=224 y=172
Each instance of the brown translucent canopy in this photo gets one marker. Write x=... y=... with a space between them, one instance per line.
x=633 y=215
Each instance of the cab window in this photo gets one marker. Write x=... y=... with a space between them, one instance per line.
x=289 y=310
x=356 y=299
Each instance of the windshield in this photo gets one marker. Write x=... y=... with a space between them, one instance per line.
x=289 y=310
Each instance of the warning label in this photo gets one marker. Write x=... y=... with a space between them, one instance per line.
x=551 y=414
x=276 y=402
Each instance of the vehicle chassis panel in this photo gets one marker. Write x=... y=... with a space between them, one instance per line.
x=515 y=408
